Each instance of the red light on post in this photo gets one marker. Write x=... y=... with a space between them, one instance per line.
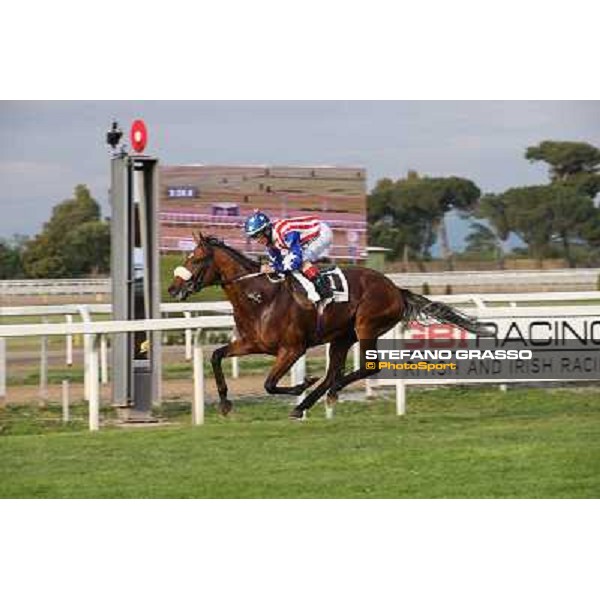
x=138 y=135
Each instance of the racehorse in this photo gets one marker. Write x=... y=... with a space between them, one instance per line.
x=273 y=316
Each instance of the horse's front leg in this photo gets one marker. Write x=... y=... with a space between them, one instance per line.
x=235 y=348
x=286 y=357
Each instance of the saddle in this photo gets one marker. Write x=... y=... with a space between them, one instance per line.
x=337 y=281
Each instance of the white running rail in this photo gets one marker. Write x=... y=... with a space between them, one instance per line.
x=564 y=278
x=98 y=329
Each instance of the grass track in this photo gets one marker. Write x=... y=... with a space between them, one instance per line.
x=453 y=443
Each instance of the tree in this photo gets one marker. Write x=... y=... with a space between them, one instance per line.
x=62 y=248
x=397 y=223
x=416 y=207
x=43 y=259
x=570 y=210
x=482 y=241
x=11 y=264
x=572 y=163
x=493 y=209
x=529 y=217
x=88 y=248
x=574 y=174
x=544 y=214
x=590 y=230
x=446 y=194
x=561 y=212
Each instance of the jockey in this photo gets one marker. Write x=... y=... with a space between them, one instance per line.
x=303 y=240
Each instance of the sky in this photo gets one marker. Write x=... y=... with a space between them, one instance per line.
x=48 y=147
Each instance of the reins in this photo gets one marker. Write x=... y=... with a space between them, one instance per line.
x=225 y=282
x=198 y=276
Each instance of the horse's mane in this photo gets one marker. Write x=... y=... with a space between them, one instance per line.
x=242 y=258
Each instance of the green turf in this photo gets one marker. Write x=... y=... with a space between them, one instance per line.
x=452 y=443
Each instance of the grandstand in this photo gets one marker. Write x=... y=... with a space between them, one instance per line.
x=218 y=199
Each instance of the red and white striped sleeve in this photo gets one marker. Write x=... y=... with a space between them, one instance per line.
x=308 y=228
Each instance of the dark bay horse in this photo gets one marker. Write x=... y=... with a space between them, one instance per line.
x=274 y=317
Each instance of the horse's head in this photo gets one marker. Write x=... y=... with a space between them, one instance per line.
x=198 y=270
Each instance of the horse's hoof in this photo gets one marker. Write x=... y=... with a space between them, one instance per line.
x=225 y=407
x=296 y=414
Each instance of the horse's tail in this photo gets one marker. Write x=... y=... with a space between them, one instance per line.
x=416 y=307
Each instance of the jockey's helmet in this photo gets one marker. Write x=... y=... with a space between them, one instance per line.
x=256 y=224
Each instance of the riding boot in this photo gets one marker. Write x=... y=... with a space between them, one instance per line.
x=323 y=286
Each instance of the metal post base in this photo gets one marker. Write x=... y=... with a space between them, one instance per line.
x=132 y=416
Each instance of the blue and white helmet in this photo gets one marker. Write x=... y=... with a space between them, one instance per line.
x=256 y=223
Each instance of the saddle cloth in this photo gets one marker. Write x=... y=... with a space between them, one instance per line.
x=337 y=281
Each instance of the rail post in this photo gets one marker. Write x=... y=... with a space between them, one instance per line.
x=94 y=383
x=65 y=400
x=235 y=365
x=198 y=362
x=400 y=383
x=188 y=337
x=69 y=343
x=43 y=390
x=2 y=368
x=84 y=312
x=103 y=360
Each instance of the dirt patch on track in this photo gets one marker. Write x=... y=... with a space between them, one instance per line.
x=245 y=388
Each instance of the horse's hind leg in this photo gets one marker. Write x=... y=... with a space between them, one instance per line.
x=332 y=394
x=361 y=373
x=338 y=350
x=285 y=359
x=370 y=324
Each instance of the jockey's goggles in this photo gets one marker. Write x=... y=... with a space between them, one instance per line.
x=259 y=234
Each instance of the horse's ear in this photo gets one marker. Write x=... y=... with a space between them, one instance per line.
x=198 y=238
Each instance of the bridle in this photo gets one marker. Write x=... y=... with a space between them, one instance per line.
x=193 y=283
